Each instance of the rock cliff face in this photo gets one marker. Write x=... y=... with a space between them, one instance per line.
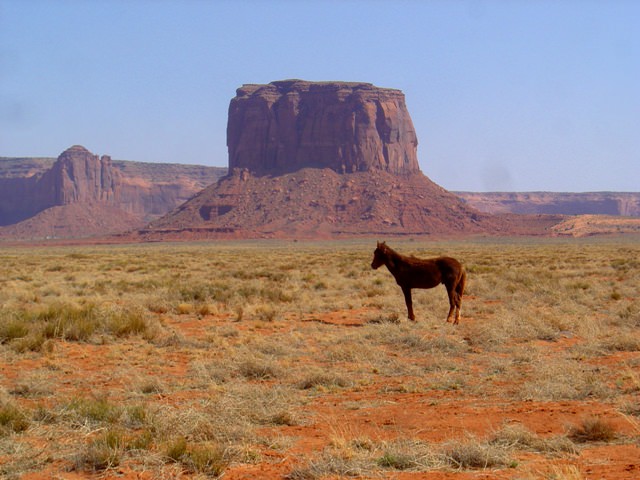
x=78 y=176
x=347 y=127
x=150 y=190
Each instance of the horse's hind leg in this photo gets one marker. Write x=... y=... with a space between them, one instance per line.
x=459 y=290
x=458 y=302
x=452 y=303
x=407 y=300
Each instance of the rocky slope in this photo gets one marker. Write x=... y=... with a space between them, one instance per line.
x=320 y=203
x=82 y=194
x=71 y=221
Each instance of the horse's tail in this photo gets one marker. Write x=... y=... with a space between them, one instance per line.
x=462 y=282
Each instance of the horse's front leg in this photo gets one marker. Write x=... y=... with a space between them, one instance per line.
x=407 y=300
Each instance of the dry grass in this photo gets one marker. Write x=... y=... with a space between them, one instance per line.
x=518 y=437
x=350 y=456
x=12 y=420
x=196 y=358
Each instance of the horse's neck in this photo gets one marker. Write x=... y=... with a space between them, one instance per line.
x=394 y=260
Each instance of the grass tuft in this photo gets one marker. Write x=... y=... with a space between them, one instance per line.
x=102 y=453
x=12 y=420
x=322 y=379
x=94 y=410
x=593 y=429
x=519 y=438
x=474 y=454
x=207 y=458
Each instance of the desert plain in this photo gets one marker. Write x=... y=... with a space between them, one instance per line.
x=295 y=360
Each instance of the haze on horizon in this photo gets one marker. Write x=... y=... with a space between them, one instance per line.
x=504 y=95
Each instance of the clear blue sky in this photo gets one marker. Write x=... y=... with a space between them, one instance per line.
x=505 y=95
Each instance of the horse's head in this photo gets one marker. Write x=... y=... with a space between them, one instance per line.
x=379 y=255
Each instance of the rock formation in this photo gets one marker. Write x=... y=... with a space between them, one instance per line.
x=311 y=160
x=81 y=194
x=347 y=127
x=77 y=176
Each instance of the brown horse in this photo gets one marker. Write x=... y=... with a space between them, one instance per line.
x=412 y=272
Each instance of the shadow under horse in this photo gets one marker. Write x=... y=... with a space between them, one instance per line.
x=412 y=272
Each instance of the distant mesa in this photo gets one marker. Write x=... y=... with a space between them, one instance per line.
x=555 y=203
x=345 y=126
x=76 y=176
x=82 y=194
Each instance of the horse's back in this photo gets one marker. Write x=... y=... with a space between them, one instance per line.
x=449 y=267
x=448 y=263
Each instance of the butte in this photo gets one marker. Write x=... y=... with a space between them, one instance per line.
x=321 y=160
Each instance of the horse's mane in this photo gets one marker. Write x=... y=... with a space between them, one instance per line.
x=396 y=256
x=406 y=259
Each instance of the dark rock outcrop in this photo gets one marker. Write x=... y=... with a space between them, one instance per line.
x=17 y=199
x=347 y=127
